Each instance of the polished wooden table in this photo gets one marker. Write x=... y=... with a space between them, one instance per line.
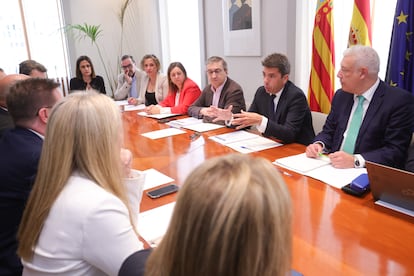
x=333 y=233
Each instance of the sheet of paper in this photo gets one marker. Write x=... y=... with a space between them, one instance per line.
x=163 y=133
x=335 y=177
x=252 y=145
x=202 y=127
x=300 y=163
x=157 y=116
x=123 y=102
x=130 y=107
x=153 y=224
x=232 y=137
x=155 y=178
x=184 y=122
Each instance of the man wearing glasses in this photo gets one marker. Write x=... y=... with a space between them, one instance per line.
x=29 y=102
x=222 y=92
x=128 y=81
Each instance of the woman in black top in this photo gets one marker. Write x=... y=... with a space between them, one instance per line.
x=85 y=77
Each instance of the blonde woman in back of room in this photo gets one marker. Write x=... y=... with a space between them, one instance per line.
x=154 y=85
x=232 y=218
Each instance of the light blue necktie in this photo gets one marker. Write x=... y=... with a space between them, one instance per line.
x=134 y=93
x=349 y=144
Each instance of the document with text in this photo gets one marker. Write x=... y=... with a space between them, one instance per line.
x=194 y=124
x=319 y=168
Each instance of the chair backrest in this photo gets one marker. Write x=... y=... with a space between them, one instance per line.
x=318 y=120
x=64 y=85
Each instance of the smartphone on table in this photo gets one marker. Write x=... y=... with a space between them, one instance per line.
x=165 y=190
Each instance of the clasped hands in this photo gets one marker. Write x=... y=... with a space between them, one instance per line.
x=339 y=159
x=240 y=120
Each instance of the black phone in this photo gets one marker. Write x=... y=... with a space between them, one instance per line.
x=165 y=190
x=349 y=190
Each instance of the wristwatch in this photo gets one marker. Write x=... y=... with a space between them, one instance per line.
x=356 y=162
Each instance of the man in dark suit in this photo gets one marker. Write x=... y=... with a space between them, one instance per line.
x=386 y=121
x=279 y=108
x=6 y=121
x=29 y=103
x=221 y=92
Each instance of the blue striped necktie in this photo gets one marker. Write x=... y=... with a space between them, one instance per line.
x=353 y=130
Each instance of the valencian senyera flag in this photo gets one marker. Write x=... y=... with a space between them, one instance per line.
x=322 y=75
x=400 y=68
x=360 y=31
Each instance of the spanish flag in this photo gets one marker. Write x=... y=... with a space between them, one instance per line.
x=322 y=76
x=360 y=31
x=400 y=68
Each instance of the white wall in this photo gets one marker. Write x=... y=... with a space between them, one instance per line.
x=277 y=35
x=143 y=35
x=141 y=31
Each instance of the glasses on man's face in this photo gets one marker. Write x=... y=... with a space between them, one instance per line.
x=129 y=66
x=216 y=71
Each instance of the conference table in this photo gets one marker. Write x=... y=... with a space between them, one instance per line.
x=333 y=233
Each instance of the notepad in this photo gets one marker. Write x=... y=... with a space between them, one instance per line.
x=300 y=163
x=320 y=169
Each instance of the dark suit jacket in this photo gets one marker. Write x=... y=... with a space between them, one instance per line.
x=232 y=94
x=409 y=165
x=6 y=121
x=385 y=132
x=292 y=121
x=20 y=152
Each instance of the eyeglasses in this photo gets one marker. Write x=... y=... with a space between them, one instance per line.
x=129 y=66
x=216 y=71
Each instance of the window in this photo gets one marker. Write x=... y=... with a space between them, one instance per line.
x=33 y=30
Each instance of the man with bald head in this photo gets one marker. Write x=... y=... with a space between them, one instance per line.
x=29 y=102
x=6 y=121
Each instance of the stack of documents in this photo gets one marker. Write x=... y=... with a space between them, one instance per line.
x=319 y=168
x=245 y=142
x=193 y=124
x=157 y=116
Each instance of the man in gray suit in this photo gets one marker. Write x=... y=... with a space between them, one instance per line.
x=221 y=92
x=129 y=80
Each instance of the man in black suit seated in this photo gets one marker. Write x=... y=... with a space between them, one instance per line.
x=29 y=102
x=279 y=108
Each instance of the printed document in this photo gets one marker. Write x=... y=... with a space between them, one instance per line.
x=245 y=142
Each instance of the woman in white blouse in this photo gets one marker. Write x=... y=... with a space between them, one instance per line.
x=78 y=219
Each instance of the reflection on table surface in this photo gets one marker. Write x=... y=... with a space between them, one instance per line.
x=333 y=233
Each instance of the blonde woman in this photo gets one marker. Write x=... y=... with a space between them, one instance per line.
x=232 y=217
x=78 y=218
x=153 y=86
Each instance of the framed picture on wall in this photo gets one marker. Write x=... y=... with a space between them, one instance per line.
x=241 y=27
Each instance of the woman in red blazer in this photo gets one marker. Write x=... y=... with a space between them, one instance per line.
x=182 y=92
